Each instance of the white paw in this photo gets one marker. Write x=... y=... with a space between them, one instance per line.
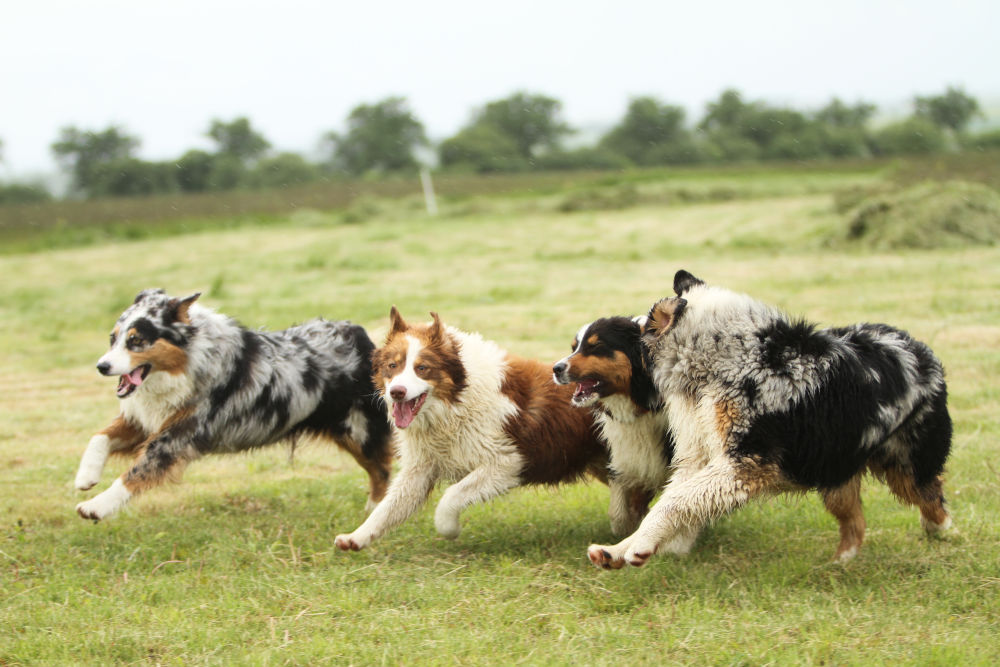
x=447 y=525
x=640 y=551
x=105 y=503
x=87 y=477
x=607 y=557
x=932 y=528
x=353 y=542
x=846 y=556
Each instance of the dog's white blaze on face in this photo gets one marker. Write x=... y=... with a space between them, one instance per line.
x=118 y=358
x=407 y=379
x=565 y=360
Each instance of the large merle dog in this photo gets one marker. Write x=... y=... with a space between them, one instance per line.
x=759 y=404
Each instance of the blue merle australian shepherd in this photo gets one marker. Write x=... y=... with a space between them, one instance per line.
x=760 y=404
x=194 y=382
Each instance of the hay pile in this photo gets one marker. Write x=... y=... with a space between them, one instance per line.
x=930 y=215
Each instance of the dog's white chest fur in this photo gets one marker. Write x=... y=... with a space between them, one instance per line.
x=158 y=399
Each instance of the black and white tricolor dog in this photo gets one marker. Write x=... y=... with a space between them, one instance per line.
x=194 y=382
x=609 y=371
x=759 y=404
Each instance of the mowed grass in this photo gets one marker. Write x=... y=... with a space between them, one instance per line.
x=236 y=565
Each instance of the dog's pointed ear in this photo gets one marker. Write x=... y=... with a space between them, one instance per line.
x=683 y=281
x=437 y=329
x=178 y=308
x=664 y=314
x=396 y=322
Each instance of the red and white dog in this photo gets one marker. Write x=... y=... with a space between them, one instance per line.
x=468 y=412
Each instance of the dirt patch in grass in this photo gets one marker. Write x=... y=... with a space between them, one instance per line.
x=929 y=215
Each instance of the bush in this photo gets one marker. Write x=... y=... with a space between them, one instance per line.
x=914 y=136
x=929 y=215
x=483 y=149
x=194 y=171
x=726 y=146
x=22 y=193
x=983 y=141
x=228 y=173
x=583 y=158
x=283 y=170
x=130 y=177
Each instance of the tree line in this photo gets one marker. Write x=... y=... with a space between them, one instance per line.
x=521 y=132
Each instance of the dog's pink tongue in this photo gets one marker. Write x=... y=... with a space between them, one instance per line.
x=584 y=387
x=135 y=377
x=404 y=412
x=129 y=380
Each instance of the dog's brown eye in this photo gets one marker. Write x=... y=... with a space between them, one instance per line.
x=392 y=364
x=134 y=341
x=421 y=368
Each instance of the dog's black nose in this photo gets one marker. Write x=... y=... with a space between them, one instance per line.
x=559 y=367
x=103 y=368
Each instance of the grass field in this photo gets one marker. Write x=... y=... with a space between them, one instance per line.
x=236 y=565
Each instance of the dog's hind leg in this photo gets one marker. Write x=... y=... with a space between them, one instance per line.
x=844 y=503
x=928 y=498
x=627 y=505
x=926 y=440
x=478 y=486
x=378 y=466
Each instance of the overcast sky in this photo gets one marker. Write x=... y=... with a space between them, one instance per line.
x=164 y=68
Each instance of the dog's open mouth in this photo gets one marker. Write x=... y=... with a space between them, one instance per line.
x=403 y=412
x=130 y=381
x=586 y=390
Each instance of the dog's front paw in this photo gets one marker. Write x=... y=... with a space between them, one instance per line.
x=105 y=503
x=639 y=552
x=447 y=525
x=605 y=557
x=87 y=478
x=352 y=542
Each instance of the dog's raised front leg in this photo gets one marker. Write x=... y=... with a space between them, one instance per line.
x=684 y=507
x=478 y=486
x=164 y=455
x=119 y=435
x=407 y=492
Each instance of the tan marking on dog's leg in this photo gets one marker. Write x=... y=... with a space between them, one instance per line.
x=726 y=413
x=123 y=435
x=844 y=503
x=118 y=437
x=379 y=469
x=934 y=518
x=163 y=457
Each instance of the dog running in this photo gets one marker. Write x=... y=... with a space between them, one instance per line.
x=194 y=382
x=759 y=403
x=470 y=413
x=608 y=368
